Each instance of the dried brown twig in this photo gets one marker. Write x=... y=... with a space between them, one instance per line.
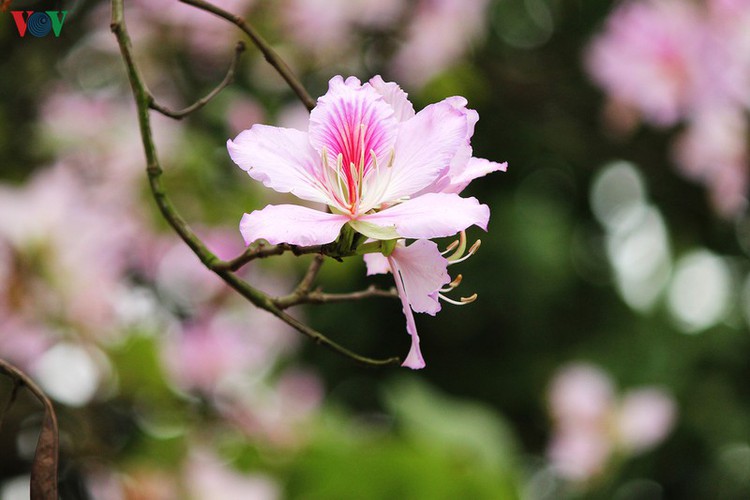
x=45 y=466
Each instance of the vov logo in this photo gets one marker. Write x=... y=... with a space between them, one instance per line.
x=39 y=24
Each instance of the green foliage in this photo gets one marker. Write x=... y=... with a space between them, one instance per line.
x=434 y=448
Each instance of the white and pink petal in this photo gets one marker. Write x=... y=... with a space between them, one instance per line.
x=424 y=272
x=291 y=224
x=352 y=120
x=414 y=358
x=424 y=149
x=376 y=263
x=282 y=159
x=433 y=215
x=395 y=96
x=474 y=168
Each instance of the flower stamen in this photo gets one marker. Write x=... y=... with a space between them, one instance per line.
x=450 y=247
x=460 y=247
x=453 y=284
x=462 y=302
x=471 y=252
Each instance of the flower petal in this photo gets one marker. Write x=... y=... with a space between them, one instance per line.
x=424 y=271
x=281 y=158
x=425 y=146
x=414 y=359
x=463 y=168
x=433 y=215
x=291 y=224
x=377 y=263
x=352 y=119
x=395 y=96
x=474 y=168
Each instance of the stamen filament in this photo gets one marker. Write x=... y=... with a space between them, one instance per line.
x=461 y=247
x=471 y=252
x=463 y=301
x=450 y=247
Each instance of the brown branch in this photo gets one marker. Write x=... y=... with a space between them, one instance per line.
x=262 y=251
x=228 y=79
x=142 y=99
x=304 y=286
x=45 y=465
x=318 y=297
x=270 y=55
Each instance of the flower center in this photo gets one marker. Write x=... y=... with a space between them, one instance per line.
x=345 y=177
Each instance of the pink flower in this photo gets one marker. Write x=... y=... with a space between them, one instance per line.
x=365 y=156
x=388 y=172
x=591 y=424
x=208 y=477
x=713 y=150
x=644 y=419
x=646 y=57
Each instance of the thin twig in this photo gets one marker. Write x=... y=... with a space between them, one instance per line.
x=318 y=297
x=270 y=55
x=303 y=288
x=170 y=214
x=228 y=79
x=262 y=251
x=238 y=284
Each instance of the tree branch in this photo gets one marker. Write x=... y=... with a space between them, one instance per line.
x=261 y=251
x=228 y=79
x=270 y=55
x=318 y=297
x=153 y=169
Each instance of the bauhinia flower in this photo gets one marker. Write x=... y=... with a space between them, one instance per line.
x=384 y=170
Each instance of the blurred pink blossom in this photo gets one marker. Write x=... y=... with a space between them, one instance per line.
x=713 y=149
x=578 y=454
x=207 y=353
x=646 y=57
x=160 y=25
x=580 y=394
x=207 y=478
x=591 y=425
x=672 y=61
x=644 y=419
x=93 y=137
x=201 y=476
x=244 y=112
x=70 y=252
x=276 y=411
x=22 y=342
x=439 y=33
x=329 y=26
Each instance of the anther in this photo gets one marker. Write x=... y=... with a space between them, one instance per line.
x=453 y=284
x=469 y=299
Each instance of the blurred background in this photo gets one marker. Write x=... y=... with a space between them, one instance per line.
x=606 y=356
